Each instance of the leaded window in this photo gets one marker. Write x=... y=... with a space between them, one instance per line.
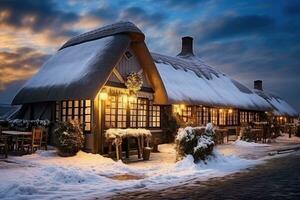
x=74 y=110
x=116 y=112
x=205 y=115
x=154 y=115
x=138 y=112
x=214 y=115
x=243 y=116
x=222 y=117
x=199 y=115
x=232 y=117
x=186 y=113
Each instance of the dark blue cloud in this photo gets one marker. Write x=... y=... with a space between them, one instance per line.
x=292 y=9
x=44 y=14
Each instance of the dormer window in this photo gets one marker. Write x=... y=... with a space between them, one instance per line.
x=128 y=54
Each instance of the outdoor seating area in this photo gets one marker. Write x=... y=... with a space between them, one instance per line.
x=20 y=142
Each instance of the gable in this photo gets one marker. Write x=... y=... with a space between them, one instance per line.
x=128 y=64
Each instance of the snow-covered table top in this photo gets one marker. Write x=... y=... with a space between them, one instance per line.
x=113 y=133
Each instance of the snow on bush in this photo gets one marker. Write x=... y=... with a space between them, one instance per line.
x=70 y=138
x=196 y=141
x=27 y=124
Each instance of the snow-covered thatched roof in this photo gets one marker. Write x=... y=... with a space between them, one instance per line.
x=189 y=80
x=280 y=107
x=83 y=64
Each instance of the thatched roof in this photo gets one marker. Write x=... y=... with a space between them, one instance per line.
x=189 y=80
x=279 y=106
x=83 y=64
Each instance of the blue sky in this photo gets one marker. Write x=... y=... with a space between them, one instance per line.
x=246 y=39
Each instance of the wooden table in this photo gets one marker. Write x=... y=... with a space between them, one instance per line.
x=17 y=134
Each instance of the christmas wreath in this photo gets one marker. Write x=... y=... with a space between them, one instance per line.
x=134 y=82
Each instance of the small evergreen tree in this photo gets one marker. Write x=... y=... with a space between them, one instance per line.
x=70 y=138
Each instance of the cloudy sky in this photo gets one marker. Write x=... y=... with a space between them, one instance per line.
x=246 y=39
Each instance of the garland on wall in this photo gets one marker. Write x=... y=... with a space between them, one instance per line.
x=134 y=82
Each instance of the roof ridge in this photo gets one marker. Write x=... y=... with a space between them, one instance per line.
x=108 y=30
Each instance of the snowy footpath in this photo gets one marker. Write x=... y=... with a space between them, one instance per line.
x=44 y=175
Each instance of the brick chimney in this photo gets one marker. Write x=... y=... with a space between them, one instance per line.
x=187 y=46
x=258 y=85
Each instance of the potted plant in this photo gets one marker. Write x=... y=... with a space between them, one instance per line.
x=70 y=138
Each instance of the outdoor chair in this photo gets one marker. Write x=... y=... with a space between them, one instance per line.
x=35 y=142
x=3 y=145
x=45 y=138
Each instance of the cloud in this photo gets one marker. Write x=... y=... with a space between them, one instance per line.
x=143 y=18
x=292 y=9
x=35 y=15
x=19 y=65
x=233 y=26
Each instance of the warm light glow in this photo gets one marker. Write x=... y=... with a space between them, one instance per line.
x=182 y=106
x=103 y=96
x=124 y=97
x=132 y=98
x=280 y=118
x=230 y=111
x=220 y=110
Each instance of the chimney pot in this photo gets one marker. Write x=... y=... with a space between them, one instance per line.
x=258 y=85
x=187 y=46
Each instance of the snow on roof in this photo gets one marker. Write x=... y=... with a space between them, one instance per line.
x=112 y=29
x=75 y=72
x=280 y=107
x=189 y=80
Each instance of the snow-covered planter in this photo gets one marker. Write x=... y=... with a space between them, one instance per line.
x=197 y=142
x=70 y=138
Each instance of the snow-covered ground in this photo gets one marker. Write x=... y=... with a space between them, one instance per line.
x=44 y=175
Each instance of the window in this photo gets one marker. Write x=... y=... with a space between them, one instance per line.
x=187 y=113
x=57 y=111
x=74 y=110
x=243 y=117
x=232 y=117
x=138 y=112
x=257 y=117
x=116 y=112
x=214 y=115
x=205 y=115
x=154 y=115
x=222 y=117
x=251 y=117
x=128 y=54
x=122 y=112
x=199 y=115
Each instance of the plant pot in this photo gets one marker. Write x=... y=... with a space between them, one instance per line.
x=146 y=153
x=66 y=154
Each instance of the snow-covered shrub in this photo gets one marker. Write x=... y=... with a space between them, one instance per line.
x=196 y=142
x=246 y=134
x=70 y=138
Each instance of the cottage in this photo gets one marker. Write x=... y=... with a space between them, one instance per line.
x=107 y=78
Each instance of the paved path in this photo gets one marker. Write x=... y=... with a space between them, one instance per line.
x=278 y=179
